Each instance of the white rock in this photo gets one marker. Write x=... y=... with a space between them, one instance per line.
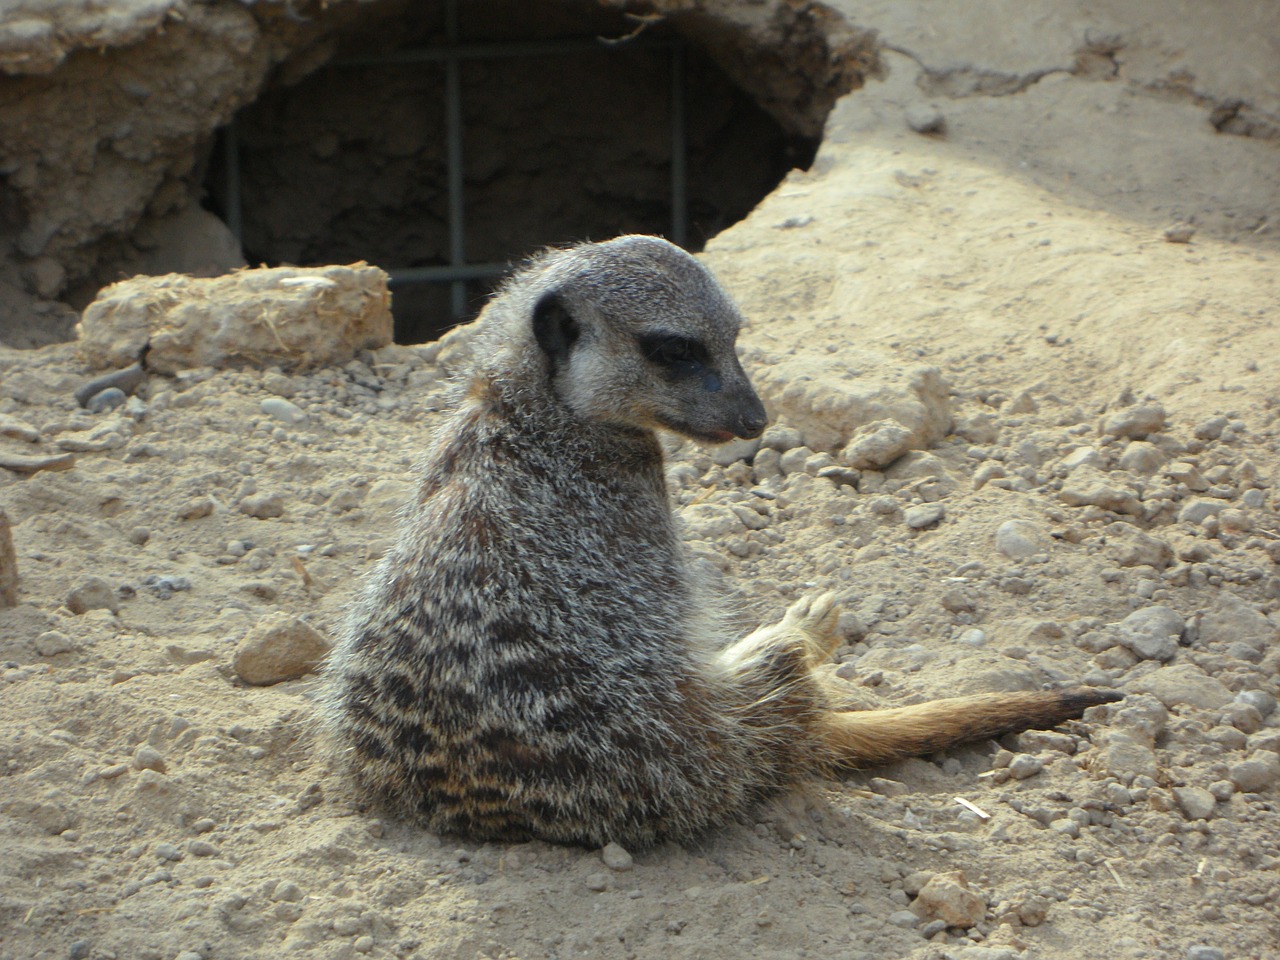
x=948 y=897
x=876 y=445
x=828 y=397
x=250 y=317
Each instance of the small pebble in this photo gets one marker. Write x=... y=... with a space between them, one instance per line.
x=1065 y=826
x=933 y=928
x=616 y=857
x=278 y=647
x=948 y=897
x=147 y=757
x=52 y=642
x=925 y=515
x=1260 y=700
x=92 y=593
x=121 y=381
x=925 y=118
x=1021 y=539
x=79 y=950
x=1222 y=789
x=263 y=506
x=105 y=400
x=282 y=409
x=903 y=918
x=1257 y=773
x=168 y=851
x=287 y=891
x=598 y=882
x=196 y=508
x=1024 y=765
x=1197 y=803
x=1200 y=952
x=1152 y=633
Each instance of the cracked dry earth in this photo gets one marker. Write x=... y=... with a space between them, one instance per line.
x=1100 y=506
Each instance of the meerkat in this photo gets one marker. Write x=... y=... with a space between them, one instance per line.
x=534 y=658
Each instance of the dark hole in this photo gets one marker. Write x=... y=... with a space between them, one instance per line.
x=351 y=163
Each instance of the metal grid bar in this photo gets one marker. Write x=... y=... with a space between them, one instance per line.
x=457 y=272
x=453 y=139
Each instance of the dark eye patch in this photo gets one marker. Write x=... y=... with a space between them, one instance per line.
x=679 y=355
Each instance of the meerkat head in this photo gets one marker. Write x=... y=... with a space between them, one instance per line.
x=636 y=333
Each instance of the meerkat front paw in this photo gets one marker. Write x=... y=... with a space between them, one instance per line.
x=817 y=617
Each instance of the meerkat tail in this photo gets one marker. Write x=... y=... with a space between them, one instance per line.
x=868 y=737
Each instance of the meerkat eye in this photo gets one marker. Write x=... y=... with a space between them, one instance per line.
x=678 y=354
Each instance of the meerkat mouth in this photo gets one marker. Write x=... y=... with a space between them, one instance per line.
x=705 y=436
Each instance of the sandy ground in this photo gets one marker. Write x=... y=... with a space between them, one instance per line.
x=153 y=806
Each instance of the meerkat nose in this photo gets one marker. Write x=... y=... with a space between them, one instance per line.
x=752 y=421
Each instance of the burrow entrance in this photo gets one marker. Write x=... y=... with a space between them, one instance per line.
x=446 y=142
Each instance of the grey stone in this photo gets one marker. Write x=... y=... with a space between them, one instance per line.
x=1197 y=509
x=616 y=857
x=925 y=515
x=781 y=438
x=168 y=851
x=1083 y=457
x=1085 y=486
x=281 y=409
x=1152 y=633
x=1184 y=685
x=92 y=593
x=263 y=506
x=1231 y=620
x=925 y=118
x=1136 y=422
x=1257 y=773
x=124 y=381
x=147 y=757
x=1124 y=758
x=1142 y=457
x=1260 y=700
x=105 y=400
x=1024 y=765
x=1212 y=428
x=1196 y=803
x=1188 y=475
x=1022 y=539
x=1131 y=547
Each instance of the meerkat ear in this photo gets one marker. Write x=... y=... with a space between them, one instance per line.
x=554 y=328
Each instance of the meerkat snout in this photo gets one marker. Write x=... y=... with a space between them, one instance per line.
x=653 y=355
